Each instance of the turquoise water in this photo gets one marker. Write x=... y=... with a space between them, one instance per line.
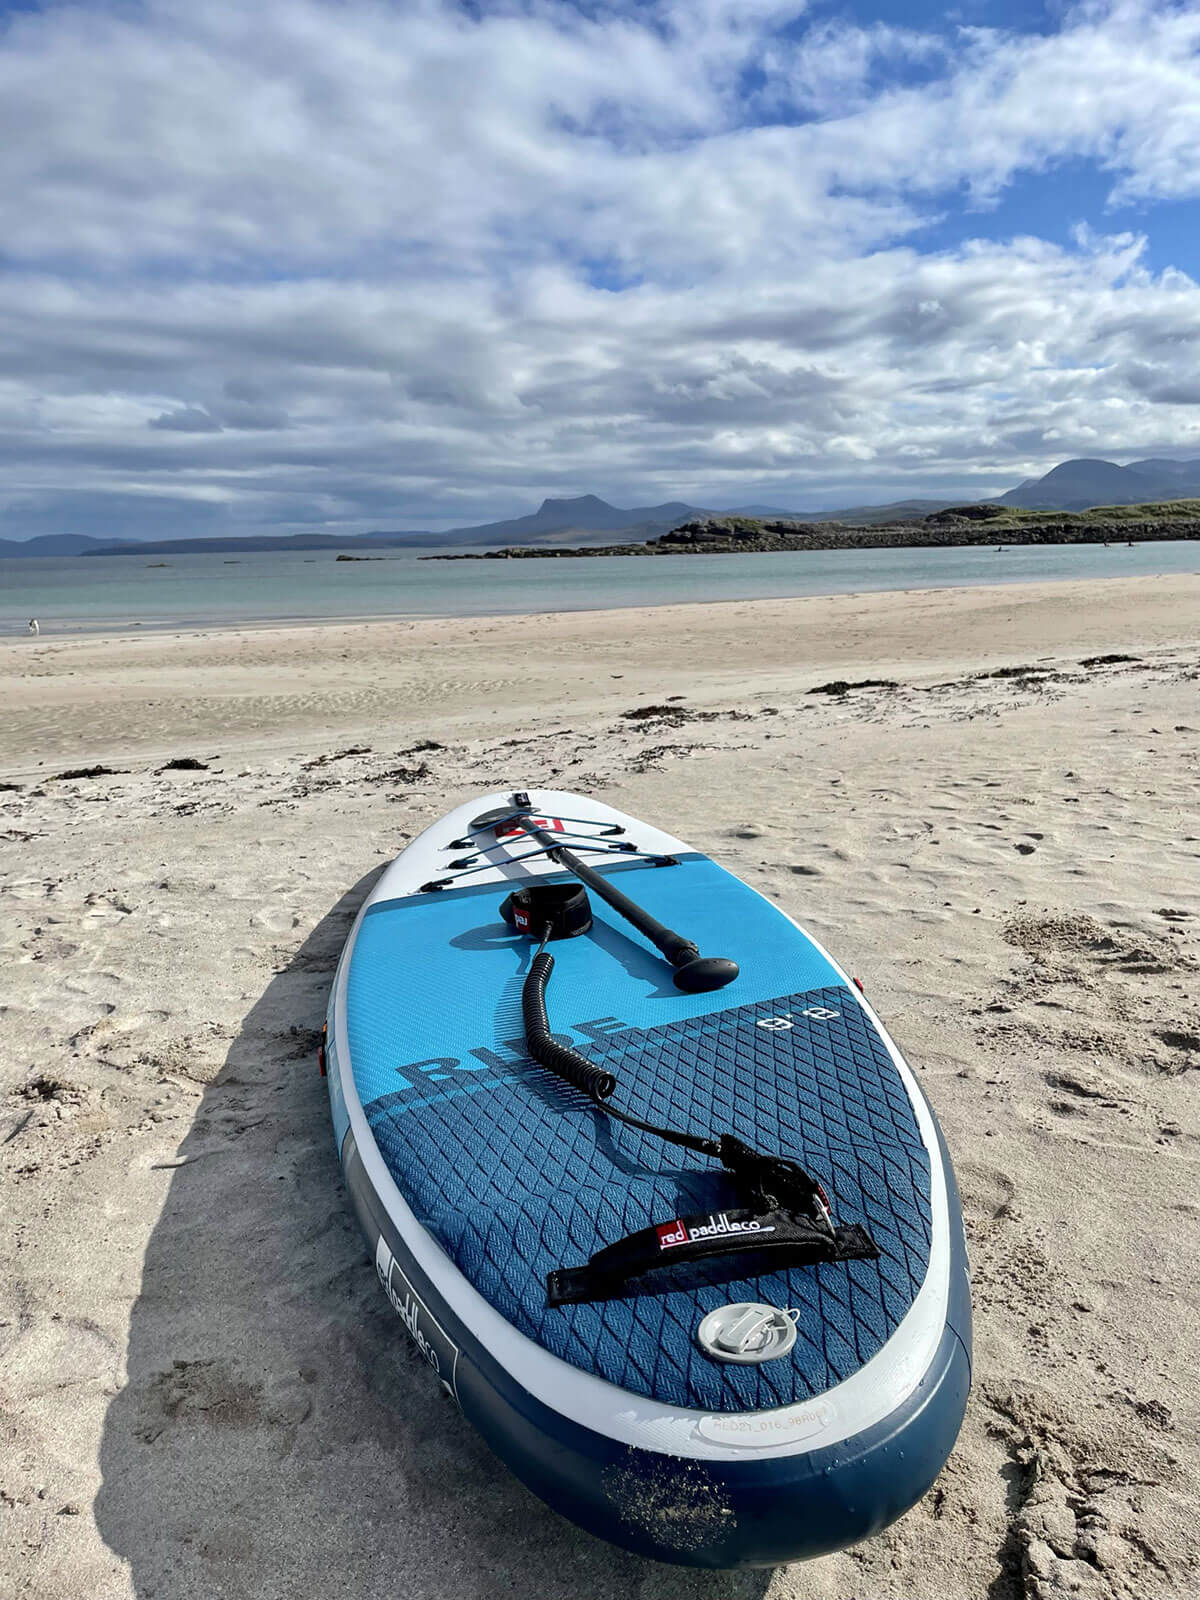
x=113 y=593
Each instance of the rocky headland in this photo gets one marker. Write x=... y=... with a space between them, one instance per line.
x=958 y=525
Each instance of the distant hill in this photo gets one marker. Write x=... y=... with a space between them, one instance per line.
x=51 y=544
x=244 y=543
x=585 y=513
x=1075 y=485
x=82 y=544
x=556 y=521
x=764 y=511
x=1078 y=485
x=868 y=516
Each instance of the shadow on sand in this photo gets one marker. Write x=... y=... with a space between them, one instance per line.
x=277 y=1435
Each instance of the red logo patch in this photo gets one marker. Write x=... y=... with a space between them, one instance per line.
x=549 y=824
x=671 y=1234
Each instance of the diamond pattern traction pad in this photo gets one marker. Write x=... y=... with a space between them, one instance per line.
x=515 y=1175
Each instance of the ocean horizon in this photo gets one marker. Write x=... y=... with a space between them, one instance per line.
x=72 y=595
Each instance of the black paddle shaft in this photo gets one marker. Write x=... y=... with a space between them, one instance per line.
x=694 y=973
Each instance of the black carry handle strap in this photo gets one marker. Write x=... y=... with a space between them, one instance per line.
x=784 y=1239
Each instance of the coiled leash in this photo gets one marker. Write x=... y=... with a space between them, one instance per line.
x=788 y=1218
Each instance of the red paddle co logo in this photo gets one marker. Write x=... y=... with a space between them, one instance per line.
x=546 y=824
x=671 y=1234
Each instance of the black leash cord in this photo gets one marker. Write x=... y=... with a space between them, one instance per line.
x=569 y=1064
x=578 y=1071
x=788 y=1220
x=771 y=1178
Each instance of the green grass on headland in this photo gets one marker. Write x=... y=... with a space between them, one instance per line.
x=999 y=517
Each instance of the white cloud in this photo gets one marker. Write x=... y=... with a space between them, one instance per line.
x=392 y=264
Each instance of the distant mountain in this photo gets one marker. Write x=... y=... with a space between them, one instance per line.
x=1078 y=485
x=1071 y=486
x=1173 y=472
x=585 y=513
x=869 y=516
x=82 y=544
x=761 y=511
x=554 y=520
x=240 y=544
x=893 y=511
x=557 y=520
x=51 y=544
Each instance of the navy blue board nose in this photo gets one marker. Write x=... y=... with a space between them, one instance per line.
x=476 y=1174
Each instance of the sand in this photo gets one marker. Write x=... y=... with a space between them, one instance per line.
x=202 y=1391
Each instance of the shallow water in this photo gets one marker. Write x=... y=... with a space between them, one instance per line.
x=111 y=593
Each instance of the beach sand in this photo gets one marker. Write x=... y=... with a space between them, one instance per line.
x=202 y=1391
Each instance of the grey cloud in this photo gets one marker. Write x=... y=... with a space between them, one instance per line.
x=253 y=418
x=187 y=420
x=1164 y=385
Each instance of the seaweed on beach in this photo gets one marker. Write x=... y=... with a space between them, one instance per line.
x=841 y=687
x=336 y=755
x=654 y=713
x=1018 y=672
x=648 y=759
x=403 y=775
x=88 y=772
x=674 y=716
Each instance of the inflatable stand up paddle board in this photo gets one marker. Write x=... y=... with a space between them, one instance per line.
x=649 y=1186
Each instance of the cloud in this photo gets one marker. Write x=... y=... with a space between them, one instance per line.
x=420 y=264
x=188 y=419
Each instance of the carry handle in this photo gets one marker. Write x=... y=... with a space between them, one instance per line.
x=787 y=1240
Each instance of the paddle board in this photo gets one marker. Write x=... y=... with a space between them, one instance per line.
x=720 y=1411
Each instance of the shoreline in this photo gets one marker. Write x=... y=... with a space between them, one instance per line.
x=507 y=592
x=202 y=628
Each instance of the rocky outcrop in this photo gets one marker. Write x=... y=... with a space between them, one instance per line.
x=960 y=525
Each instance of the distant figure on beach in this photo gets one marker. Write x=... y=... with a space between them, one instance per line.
x=33 y=625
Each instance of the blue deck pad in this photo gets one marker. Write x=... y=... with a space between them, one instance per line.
x=443 y=973
x=515 y=1174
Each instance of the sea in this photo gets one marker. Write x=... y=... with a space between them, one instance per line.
x=112 y=594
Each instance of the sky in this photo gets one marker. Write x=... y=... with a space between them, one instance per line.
x=312 y=266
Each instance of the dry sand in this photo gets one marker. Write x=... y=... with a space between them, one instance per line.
x=202 y=1391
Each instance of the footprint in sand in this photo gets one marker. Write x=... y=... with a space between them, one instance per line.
x=213 y=1394
x=275 y=919
x=987 y=1193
